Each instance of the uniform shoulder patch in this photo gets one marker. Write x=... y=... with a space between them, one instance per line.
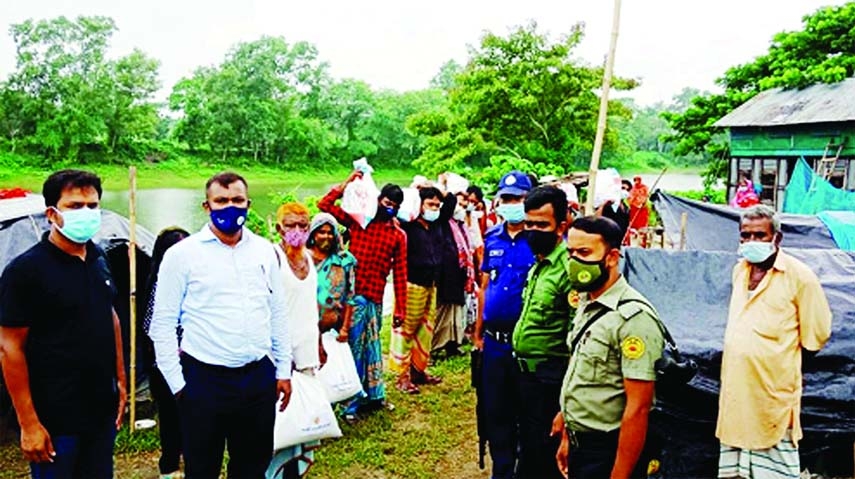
x=632 y=347
x=629 y=310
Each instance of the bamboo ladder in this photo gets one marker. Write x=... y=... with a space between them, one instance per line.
x=826 y=166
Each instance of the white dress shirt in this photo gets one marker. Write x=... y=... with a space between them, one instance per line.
x=230 y=301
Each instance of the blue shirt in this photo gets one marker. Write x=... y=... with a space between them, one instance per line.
x=507 y=262
x=230 y=302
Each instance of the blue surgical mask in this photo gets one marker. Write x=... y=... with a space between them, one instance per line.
x=512 y=213
x=80 y=225
x=756 y=252
x=470 y=207
x=229 y=220
x=430 y=215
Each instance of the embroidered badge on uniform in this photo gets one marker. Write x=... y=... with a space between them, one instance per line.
x=632 y=347
x=573 y=299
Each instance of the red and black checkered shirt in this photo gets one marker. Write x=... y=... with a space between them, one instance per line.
x=379 y=248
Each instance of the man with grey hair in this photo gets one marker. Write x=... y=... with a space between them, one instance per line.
x=778 y=312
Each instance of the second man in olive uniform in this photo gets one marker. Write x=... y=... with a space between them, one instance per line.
x=608 y=390
x=539 y=339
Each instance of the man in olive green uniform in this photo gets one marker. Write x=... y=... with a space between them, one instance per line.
x=608 y=390
x=539 y=339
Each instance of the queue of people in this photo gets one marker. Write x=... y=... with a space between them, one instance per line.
x=569 y=347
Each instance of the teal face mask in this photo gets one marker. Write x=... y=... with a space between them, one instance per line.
x=80 y=225
x=430 y=215
x=586 y=276
x=756 y=251
x=512 y=213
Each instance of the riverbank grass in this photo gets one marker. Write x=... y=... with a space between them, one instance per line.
x=184 y=172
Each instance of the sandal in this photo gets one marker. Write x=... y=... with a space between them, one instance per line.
x=407 y=387
x=425 y=378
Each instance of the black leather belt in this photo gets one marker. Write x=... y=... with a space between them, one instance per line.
x=499 y=336
x=223 y=369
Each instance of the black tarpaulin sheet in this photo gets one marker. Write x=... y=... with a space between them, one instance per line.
x=691 y=290
x=713 y=227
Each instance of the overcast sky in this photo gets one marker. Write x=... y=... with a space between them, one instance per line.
x=400 y=44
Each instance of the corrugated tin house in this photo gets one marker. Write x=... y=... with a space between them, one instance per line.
x=771 y=131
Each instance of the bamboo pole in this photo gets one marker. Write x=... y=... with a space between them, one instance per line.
x=604 y=109
x=684 y=220
x=132 y=258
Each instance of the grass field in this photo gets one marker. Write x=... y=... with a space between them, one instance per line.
x=429 y=435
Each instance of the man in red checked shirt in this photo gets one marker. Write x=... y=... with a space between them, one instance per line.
x=379 y=247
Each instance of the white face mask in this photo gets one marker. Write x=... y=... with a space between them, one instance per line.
x=756 y=252
x=459 y=214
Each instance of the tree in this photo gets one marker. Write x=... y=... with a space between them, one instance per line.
x=72 y=97
x=247 y=104
x=14 y=122
x=822 y=52
x=446 y=79
x=132 y=117
x=523 y=96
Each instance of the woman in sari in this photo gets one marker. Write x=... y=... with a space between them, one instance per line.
x=336 y=290
x=639 y=215
x=745 y=195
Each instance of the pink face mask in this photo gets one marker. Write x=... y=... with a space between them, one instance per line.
x=296 y=237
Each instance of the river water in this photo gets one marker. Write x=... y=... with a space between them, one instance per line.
x=161 y=207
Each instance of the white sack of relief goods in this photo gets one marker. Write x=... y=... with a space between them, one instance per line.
x=607 y=187
x=308 y=417
x=338 y=374
x=360 y=195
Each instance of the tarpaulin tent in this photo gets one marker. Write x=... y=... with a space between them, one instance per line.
x=809 y=194
x=691 y=291
x=23 y=223
x=713 y=227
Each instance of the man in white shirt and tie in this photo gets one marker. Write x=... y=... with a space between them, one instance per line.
x=222 y=286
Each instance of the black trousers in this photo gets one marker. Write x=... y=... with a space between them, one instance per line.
x=501 y=406
x=539 y=393
x=168 y=422
x=594 y=456
x=224 y=406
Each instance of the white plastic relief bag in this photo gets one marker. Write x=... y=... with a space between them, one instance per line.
x=411 y=206
x=338 y=375
x=360 y=196
x=456 y=183
x=607 y=187
x=308 y=417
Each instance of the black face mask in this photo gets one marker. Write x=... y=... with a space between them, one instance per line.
x=384 y=213
x=541 y=242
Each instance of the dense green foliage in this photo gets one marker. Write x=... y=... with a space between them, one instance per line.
x=520 y=101
x=67 y=99
x=822 y=52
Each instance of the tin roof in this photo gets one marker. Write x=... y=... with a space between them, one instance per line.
x=821 y=103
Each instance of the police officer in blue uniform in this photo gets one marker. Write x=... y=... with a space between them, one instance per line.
x=507 y=260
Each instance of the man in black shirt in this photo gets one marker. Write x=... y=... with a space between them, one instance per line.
x=60 y=344
x=410 y=346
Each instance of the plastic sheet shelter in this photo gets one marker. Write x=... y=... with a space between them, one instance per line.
x=691 y=291
x=713 y=227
